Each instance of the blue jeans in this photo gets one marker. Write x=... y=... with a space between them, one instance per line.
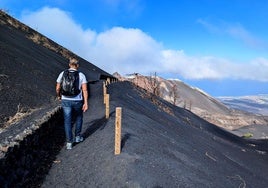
x=72 y=113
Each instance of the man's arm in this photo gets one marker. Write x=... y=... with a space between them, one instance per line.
x=58 y=91
x=85 y=95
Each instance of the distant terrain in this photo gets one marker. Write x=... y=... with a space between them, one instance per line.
x=255 y=104
x=223 y=112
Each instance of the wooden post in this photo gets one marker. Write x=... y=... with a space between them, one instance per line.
x=107 y=109
x=108 y=81
x=104 y=93
x=104 y=98
x=118 y=117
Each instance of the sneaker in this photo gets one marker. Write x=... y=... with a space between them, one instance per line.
x=69 y=145
x=79 y=139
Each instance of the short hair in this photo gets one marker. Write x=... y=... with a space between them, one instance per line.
x=73 y=61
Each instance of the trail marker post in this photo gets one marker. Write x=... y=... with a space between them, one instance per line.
x=107 y=106
x=108 y=81
x=118 y=120
x=104 y=92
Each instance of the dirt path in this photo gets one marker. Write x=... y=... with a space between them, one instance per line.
x=69 y=165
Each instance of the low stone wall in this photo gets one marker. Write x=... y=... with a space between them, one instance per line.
x=25 y=158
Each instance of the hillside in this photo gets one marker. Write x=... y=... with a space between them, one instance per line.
x=162 y=146
x=29 y=66
x=197 y=101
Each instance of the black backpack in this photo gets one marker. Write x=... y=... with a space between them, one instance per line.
x=70 y=83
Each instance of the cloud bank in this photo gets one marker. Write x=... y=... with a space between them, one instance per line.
x=128 y=50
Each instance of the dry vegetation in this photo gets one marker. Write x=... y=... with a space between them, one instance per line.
x=35 y=36
x=152 y=92
x=21 y=113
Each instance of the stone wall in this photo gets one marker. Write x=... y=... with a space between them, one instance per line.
x=26 y=157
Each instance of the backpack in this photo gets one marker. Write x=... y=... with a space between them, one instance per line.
x=70 y=83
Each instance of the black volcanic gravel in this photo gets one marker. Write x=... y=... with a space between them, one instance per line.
x=158 y=149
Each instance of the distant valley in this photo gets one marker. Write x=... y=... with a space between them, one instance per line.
x=254 y=104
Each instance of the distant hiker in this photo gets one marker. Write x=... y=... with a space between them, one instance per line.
x=71 y=89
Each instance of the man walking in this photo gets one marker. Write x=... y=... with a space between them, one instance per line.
x=71 y=89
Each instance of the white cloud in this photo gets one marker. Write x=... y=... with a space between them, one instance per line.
x=239 y=32
x=128 y=50
x=129 y=5
x=59 y=26
x=129 y=8
x=210 y=27
x=234 y=30
x=192 y=67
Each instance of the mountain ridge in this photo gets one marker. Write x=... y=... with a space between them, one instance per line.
x=257 y=104
x=198 y=101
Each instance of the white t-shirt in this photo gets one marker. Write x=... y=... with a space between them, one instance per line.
x=82 y=80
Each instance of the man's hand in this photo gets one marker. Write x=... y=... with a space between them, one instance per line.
x=85 y=96
x=85 y=107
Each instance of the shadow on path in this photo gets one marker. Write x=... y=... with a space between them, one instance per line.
x=95 y=125
x=124 y=140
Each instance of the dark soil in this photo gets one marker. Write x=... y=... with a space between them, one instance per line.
x=28 y=70
x=158 y=149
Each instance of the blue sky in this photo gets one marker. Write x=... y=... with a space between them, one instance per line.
x=219 y=46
